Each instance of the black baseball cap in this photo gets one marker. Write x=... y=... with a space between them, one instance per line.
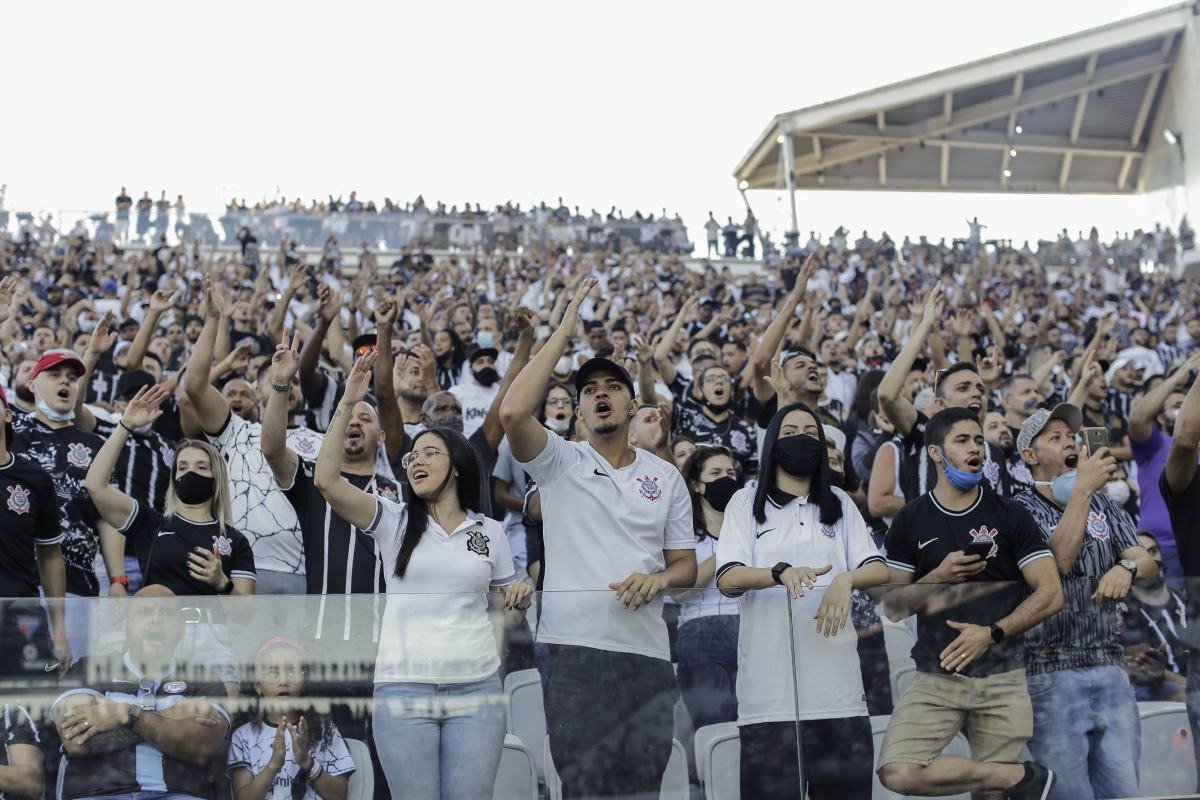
x=481 y=352
x=594 y=365
x=131 y=381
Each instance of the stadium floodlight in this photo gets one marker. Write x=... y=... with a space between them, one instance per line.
x=1170 y=136
x=743 y=185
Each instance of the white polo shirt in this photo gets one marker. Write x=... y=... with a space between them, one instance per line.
x=436 y=627
x=830 y=685
x=600 y=526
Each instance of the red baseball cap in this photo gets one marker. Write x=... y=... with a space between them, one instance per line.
x=52 y=358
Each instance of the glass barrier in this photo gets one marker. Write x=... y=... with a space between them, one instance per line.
x=392 y=230
x=701 y=695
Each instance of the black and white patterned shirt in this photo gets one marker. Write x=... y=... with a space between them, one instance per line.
x=250 y=748
x=1082 y=634
x=17 y=729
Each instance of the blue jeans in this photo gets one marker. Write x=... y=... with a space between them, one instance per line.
x=708 y=668
x=1086 y=729
x=440 y=740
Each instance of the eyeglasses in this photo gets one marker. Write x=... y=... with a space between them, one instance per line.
x=422 y=456
x=716 y=378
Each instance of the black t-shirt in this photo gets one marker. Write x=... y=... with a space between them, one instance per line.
x=1184 y=509
x=17 y=728
x=162 y=545
x=923 y=533
x=65 y=454
x=919 y=474
x=28 y=518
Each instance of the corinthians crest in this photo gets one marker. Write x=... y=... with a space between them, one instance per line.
x=985 y=535
x=477 y=542
x=648 y=487
x=1097 y=526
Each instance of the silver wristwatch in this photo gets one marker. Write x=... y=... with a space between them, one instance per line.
x=1129 y=565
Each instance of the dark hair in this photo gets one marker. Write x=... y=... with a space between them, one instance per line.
x=866 y=395
x=568 y=388
x=944 y=375
x=462 y=461
x=1011 y=381
x=457 y=354
x=937 y=428
x=821 y=485
x=691 y=473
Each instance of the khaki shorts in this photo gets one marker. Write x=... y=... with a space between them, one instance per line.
x=995 y=712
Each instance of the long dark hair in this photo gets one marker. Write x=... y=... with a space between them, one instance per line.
x=457 y=354
x=864 y=396
x=691 y=470
x=821 y=485
x=465 y=463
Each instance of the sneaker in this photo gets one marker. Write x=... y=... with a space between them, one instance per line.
x=1036 y=784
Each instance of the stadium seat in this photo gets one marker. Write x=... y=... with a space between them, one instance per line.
x=674 y=785
x=1168 y=761
x=718 y=761
x=517 y=776
x=958 y=747
x=526 y=711
x=362 y=781
x=902 y=679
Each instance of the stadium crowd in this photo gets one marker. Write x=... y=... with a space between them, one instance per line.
x=998 y=445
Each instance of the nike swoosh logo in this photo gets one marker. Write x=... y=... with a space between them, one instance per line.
x=760 y=534
x=600 y=472
x=921 y=545
x=165 y=533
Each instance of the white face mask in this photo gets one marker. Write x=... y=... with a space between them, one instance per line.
x=563 y=366
x=558 y=425
x=51 y=414
x=1118 y=491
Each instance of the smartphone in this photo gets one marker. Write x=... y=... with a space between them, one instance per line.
x=1094 y=439
x=980 y=549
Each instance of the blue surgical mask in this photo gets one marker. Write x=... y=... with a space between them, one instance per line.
x=484 y=339
x=51 y=414
x=1061 y=487
x=961 y=479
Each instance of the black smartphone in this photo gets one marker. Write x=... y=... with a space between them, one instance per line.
x=980 y=549
x=1094 y=439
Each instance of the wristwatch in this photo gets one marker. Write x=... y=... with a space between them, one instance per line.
x=997 y=634
x=777 y=572
x=1129 y=565
x=133 y=714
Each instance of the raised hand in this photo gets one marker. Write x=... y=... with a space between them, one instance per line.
x=144 y=408
x=285 y=361
x=219 y=305
x=807 y=269
x=300 y=751
x=103 y=337
x=522 y=318
x=964 y=318
x=642 y=348
x=386 y=313
x=161 y=300
x=571 y=315
x=935 y=303
x=8 y=293
x=297 y=275
x=1095 y=470
x=327 y=303
x=359 y=379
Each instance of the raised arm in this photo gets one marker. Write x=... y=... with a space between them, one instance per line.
x=662 y=351
x=114 y=505
x=1066 y=540
x=206 y=401
x=900 y=409
x=775 y=333
x=526 y=435
x=281 y=458
x=312 y=382
x=390 y=418
x=351 y=504
x=160 y=301
x=99 y=342
x=296 y=278
x=493 y=431
x=1181 y=460
x=646 y=391
x=1148 y=406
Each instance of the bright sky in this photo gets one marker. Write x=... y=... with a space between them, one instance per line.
x=634 y=104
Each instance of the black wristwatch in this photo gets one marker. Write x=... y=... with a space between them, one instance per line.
x=997 y=634
x=777 y=572
x=229 y=587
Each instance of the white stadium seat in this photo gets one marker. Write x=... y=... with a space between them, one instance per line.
x=1168 y=762
x=902 y=679
x=675 y=779
x=517 y=777
x=362 y=781
x=527 y=712
x=718 y=761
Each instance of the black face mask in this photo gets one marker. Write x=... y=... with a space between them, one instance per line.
x=837 y=479
x=799 y=455
x=193 y=488
x=486 y=376
x=719 y=491
x=716 y=408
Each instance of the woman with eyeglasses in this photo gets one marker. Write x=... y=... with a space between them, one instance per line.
x=439 y=710
x=204 y=554
x=558 y=408
x=707 y=638
x=794 y=549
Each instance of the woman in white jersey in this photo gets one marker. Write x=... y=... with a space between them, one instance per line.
x=707 y=638
x=439 y=708
x=803 y=547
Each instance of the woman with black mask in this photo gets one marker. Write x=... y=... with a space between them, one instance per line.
x=205 y=555
x=707 y=636
x=797 y=531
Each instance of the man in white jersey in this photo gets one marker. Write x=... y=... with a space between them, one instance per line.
x=260 y=508
x=615 y=518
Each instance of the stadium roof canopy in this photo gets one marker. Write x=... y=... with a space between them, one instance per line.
x=1070 y=115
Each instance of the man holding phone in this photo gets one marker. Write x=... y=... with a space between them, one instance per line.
x=1085 y=715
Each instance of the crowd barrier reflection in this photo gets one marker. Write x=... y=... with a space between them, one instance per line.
x=219 y=644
